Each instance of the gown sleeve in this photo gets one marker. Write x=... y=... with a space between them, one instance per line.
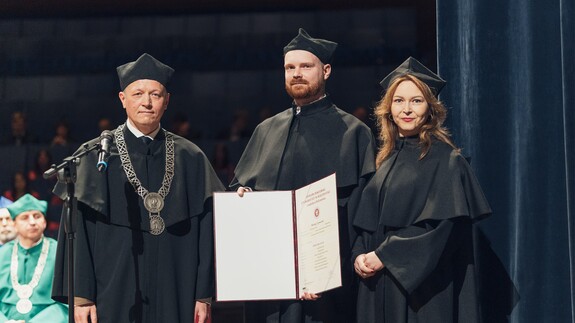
x=410 y=254
x=358 y=248
x=85 y=281
x=85 y=275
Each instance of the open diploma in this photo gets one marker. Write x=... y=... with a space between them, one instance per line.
x=277 y=244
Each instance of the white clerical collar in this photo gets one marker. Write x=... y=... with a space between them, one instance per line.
x=138 y=133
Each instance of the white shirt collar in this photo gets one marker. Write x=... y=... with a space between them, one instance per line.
x=138 y=133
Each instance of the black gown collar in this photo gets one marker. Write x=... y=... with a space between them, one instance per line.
x=412 y=140
x=313 y=108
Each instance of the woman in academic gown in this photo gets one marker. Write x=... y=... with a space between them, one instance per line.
x=415 y=251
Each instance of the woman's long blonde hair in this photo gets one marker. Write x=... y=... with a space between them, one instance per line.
x=432 y=127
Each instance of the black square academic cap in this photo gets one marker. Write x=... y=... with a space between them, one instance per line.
x=414 y=67
x=145 y=67
x=321 y=48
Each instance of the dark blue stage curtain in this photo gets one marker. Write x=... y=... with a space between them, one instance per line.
x=510 y=67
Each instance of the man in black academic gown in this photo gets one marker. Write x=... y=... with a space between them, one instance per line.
x=298 y=146
x=144 y=250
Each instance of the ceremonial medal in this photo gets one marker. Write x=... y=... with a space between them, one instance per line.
x=157 y=225
x=25 y=291
x=153 y=202
x=24 y=306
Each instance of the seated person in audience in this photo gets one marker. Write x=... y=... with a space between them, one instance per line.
x=43 y=186
x=19 y=187
x=27 y=268
x=104 y=124
x=7 y=231
x=36 y=181
x=222 y=164
x=181 y=127
x=62 y=144
x=19 y=134
x=62 y=136
x=239 y=129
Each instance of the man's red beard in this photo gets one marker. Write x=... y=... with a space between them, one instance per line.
x=301 y=90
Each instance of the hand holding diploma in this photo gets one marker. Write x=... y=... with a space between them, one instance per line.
x=295 y=231
x=310 y=296
x=241 y=190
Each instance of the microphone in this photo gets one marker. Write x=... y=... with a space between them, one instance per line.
x=106 y=139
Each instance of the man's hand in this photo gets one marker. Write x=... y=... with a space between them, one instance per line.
x=241 y=190
x=202 y=312
x=83 y=312
x=310 y=296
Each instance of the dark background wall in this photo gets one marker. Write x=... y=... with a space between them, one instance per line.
x=66 y=67
x=58 y=59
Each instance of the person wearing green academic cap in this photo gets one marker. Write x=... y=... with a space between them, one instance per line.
x=308 y=141
x=27 y=268
x=144 y=247
x=7 y=230
x=415 y=250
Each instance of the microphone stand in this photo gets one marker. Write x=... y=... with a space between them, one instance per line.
x=66 y=172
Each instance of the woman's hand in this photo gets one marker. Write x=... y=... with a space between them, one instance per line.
x=367 y=265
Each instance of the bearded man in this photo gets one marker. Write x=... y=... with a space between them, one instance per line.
x=310 y=140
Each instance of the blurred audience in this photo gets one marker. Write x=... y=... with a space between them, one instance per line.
x=19 y=133
x=239 y=129
x=42 y=163
x=62 y=144
x=181 y=127
x=221 y=163
x=19 y=187
x=62 y=135
x=363 y=114
x=104 y=124
x=264 y=113
x=43 y=187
